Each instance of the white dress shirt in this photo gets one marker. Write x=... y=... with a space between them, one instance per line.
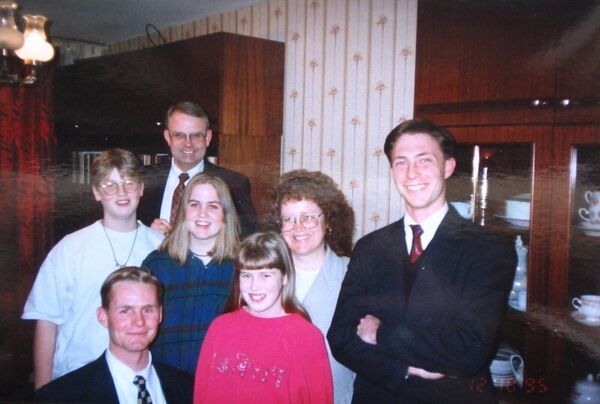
x=172 y=182
x=429 y=226
x=123 y=377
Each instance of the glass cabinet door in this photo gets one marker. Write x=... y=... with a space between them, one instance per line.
x=492 y=186
x=584 y=257
x=583 y=289
x=576 y=259
x=501 y=173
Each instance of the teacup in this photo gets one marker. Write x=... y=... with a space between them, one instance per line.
x=592 y=197
x=591 y=214
x=588 y=306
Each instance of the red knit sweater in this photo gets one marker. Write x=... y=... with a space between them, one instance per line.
x=268 y=360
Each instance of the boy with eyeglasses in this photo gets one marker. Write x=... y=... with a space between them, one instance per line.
x=65 y=296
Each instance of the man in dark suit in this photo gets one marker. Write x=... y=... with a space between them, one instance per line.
x=132 y=311
x=423 y=326
x=188 y=134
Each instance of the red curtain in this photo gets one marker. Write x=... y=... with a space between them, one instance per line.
x=27 y=149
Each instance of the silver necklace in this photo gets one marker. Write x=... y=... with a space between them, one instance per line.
x=118 y=265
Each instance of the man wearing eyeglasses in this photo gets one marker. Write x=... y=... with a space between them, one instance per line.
x=187 y=132
x=65 y=295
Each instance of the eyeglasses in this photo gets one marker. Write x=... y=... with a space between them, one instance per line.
x=195 y=137
x=309 y=221
x=111 y=188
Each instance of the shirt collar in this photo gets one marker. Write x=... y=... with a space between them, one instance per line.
x=198 y=168
x=118 y=367
x=429 y=225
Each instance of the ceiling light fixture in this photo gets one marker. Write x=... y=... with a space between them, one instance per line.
x=31 y=47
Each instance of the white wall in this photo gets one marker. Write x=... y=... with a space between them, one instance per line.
x=349 y=79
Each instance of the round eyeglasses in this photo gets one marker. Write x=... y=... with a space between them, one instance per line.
x=309 y=221
x=111 y=188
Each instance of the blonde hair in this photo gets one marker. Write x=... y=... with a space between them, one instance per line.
x=177 y=243
x=265 y=250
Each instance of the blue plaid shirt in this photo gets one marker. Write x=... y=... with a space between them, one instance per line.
x=194 y=295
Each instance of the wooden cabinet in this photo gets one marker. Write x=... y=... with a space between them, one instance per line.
x=516 y=62
x=519 y=80
x=120 y=101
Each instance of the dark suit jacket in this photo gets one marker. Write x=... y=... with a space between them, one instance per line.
x=93 y=383
x=448 y=324
x=239 y=185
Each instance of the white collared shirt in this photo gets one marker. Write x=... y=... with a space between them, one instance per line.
x=123 y=377
x=429 y=226
x=172 y=182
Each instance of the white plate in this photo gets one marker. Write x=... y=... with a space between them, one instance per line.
x=580 y=318
x=588 y=231
x=522 y=223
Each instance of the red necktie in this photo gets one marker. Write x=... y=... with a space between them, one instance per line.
x=417 y=249
x=183 y=177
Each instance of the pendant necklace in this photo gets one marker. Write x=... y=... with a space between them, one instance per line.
x=118 y=265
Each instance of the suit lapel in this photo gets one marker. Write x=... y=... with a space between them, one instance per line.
x=434 y=279
x=104 y=386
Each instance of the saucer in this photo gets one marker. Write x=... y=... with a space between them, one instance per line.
x=500 y=381
x=591 y=226
x=580 y=318
x=592 y=230
x=522 y=223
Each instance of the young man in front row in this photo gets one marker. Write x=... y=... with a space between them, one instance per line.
x=131 y=311
x=421 y=305
x=65 y=296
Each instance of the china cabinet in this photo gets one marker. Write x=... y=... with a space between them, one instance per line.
x=535 y=129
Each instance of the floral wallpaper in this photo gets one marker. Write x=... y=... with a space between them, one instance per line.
x=349 y=79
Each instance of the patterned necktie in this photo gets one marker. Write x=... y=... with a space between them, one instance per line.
x=417 y=249
x=143 y=394
x=183 y=177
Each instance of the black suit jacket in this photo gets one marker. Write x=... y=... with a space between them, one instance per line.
x=93 y=383
x=448 y=324
x=239 y=185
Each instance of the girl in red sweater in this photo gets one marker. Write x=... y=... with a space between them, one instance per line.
x=264 y=349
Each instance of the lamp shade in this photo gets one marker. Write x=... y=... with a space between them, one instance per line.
x=36 y=48
x=10 y=37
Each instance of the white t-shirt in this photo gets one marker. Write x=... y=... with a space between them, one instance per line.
x=304 y=280
x=66 y=290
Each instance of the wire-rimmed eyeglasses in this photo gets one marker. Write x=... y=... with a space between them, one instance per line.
x=309 y=221
x=181 y=137
x=111 y=188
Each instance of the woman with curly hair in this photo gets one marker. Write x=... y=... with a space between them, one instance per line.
x=317 y=223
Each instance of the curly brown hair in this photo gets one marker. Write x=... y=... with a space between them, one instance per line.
x=319 y=188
